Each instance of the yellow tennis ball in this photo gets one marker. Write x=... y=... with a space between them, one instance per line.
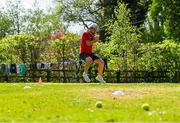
x=99 y=104
x=145 y=107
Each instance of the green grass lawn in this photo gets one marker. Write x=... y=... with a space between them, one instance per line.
x=76 y=102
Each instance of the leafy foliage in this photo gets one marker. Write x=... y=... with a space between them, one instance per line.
x=5 y=25
x=29 y=49
x=30 y=31
x=165 y=55
x=41 y=24
x=164 y=20
x=15 y=12
x=123 y=41
x=63 y=49
x=17 y=49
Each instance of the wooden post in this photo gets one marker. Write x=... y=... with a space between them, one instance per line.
x=177 y=76
x=48 y=75
x=118 y=76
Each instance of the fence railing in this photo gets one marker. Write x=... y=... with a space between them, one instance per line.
x=110 y=76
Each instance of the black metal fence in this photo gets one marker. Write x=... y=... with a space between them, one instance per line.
x=110 y=76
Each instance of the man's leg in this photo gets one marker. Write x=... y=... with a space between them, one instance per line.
x=88 y=62
x=100 y=63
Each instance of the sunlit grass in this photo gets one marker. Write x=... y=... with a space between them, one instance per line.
x=76 y=102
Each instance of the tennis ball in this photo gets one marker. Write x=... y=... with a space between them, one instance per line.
x=145 y=107
x=99 y=104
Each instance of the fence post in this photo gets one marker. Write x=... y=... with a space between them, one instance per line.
x=48 y=75
x=77 y=75
x=107 y=76
x=118 y=76
x=177 y=78
x=33 y=74
x=7 y=77
x=64 y=75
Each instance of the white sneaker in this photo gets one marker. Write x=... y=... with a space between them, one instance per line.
x=86 y=77
x=100 y=79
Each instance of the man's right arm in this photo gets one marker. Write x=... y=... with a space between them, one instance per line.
x=89 y=43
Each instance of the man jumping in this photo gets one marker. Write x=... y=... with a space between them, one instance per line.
x=86 y=53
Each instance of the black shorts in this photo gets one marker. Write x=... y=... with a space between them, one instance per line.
x=83 y=56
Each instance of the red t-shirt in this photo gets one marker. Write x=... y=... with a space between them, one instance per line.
x=84 y=47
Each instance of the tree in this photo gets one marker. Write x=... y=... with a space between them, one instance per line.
x=16 y=13
x=40 y=23
x=160 y=56
x=34 y=22
x=164 y=20
x=86 y=12
x=138 y=10
x=5 y=25
x=18 y=49
x=65 y=49
x=101 y=12
x=123 y=40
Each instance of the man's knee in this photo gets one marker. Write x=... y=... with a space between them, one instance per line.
x=105 y=62
x=100 y=62
x=88 y=60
